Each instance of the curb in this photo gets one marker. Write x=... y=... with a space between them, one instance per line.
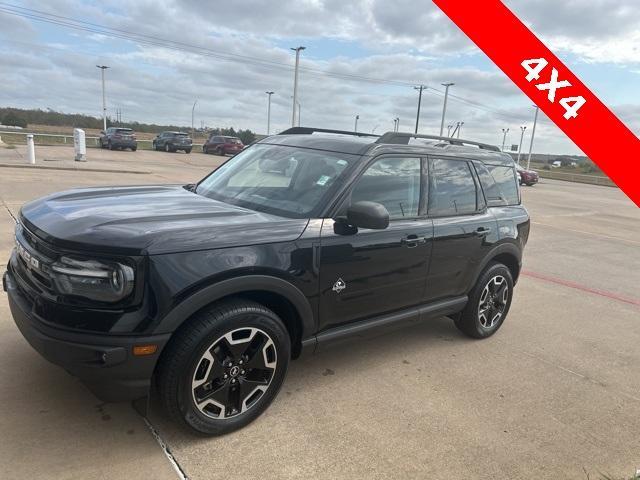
x=101 y=170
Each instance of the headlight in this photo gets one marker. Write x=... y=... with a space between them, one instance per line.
x=93 y=279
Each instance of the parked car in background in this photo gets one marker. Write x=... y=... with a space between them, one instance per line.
x=118 y=138
x=221 y=145
x=172 y=142
x=527 y=177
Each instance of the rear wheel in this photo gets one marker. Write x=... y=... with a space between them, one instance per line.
x=188 y=150
x=225 y=367
x=220 y=151
x=109 y=145
x=488 y=304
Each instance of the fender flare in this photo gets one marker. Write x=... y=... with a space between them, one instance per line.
x=237 y=285
x=508 y=248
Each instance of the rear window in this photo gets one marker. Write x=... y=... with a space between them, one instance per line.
x=124 y=130
x=231 y=140
x=452 y=189
x=499 y=184
x=180 y=134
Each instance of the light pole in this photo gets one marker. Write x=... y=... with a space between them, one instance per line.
x=104 y=98
x=355 y=127
x=460 y=124
x=522 y=130
x=504 y=138
x=374 y=128
x=269 y=112
x=397 y=122
x=295 y=84
x=444 y=106
x=193 y=109
x=420 y=88
x=449 y=127
x=533 y=132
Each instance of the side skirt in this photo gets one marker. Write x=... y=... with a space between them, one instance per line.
x=388 y=321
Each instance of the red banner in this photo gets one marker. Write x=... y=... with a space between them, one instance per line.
x=551 y=86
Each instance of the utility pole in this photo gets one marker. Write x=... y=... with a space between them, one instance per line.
x=299 y=114
x=522 y=130
x=269 y=113
x=420 y=88
x=193 y=109
x=444 y=107
x=533 y=133
x=355 y=127
x=460 y=124
x=504 y=138
x=295 y=84
x=104 y=98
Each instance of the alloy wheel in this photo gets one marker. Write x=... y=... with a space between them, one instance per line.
x=493 y=301
x=234 y=372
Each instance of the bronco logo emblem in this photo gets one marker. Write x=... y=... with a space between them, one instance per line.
x=339 y=286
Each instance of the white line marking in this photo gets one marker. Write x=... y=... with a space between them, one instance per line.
x=165 y=449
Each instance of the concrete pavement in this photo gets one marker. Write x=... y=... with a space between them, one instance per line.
x=552 y=395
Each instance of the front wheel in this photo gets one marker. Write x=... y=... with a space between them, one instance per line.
x=188 y=150
x=488 y=304
x=224 y=367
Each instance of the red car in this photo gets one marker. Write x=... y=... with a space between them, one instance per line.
x=221 y=145
x=527 y=177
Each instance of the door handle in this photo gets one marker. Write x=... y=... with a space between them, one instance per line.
x=482 y=231
x=412 y=241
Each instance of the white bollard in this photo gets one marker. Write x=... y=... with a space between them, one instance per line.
x=31 y=150
x=80 y=145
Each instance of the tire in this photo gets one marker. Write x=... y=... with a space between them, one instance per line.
x=475 y=321
x=109 y=145
x=205 y=150
x=133 y=149
x=166 y=148
x=220 y=151
x=529 y=184
x=154 y=146
x=188 y=150
x=196 y=363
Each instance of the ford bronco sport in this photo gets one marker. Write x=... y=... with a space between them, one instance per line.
x=207 y=291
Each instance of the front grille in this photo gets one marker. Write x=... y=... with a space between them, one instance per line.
x=34 y=266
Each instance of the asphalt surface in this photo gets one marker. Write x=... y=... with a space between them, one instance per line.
x=553 y=395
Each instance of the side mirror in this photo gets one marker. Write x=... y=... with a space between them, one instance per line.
x=368 y=215
x=102 y=132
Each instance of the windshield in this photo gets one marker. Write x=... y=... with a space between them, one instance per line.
x=286 y=181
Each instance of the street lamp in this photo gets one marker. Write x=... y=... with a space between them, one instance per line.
x=444 y=106
x=533 y=132
x=504 y=137
x=460 y=124
x=522 y=130
x=193 y=109
x=104 y=99
x=396 y=122
x=449 y=127
x=269 y=113
x=295 y=84
x=355 y=127
x=420 y=88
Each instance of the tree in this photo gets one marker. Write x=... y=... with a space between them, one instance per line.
x=12 y=119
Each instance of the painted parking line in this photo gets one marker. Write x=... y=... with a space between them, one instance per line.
x=581 y=287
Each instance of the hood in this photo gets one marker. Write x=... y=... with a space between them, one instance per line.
x=150 y=220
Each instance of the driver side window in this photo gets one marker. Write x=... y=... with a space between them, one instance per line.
x=394 y=182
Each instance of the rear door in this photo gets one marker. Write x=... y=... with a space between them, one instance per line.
x=372 y=272
x=464 y=229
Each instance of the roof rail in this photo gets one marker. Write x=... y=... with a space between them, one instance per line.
x=310 y=130
x=403 y=139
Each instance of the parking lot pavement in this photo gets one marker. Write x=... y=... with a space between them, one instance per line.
x=552 y=395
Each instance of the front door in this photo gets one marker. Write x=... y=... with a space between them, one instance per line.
x=371 y=272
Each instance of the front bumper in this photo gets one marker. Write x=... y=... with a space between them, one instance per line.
x=105 y=363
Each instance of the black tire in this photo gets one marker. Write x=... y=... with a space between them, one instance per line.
x=109 y=145
x=188 y=150
x=133 y=149
x=475 y=320
x=205 y=150
x=220 y=151
x=186 y=358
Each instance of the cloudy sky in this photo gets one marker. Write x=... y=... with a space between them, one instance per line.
x=362 y=58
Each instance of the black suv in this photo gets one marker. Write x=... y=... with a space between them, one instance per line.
x=172 y=142
x=118 y=138
x=304 y=238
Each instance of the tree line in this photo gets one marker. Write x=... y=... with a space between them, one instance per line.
x=23 y=117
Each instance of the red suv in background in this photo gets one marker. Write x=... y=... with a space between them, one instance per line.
x=221 y=145
x=527 y=177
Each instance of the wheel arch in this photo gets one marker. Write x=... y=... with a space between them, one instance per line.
x=508 y=254
x=286 y=300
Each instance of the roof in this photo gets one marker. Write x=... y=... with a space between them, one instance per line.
x=391 y=142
